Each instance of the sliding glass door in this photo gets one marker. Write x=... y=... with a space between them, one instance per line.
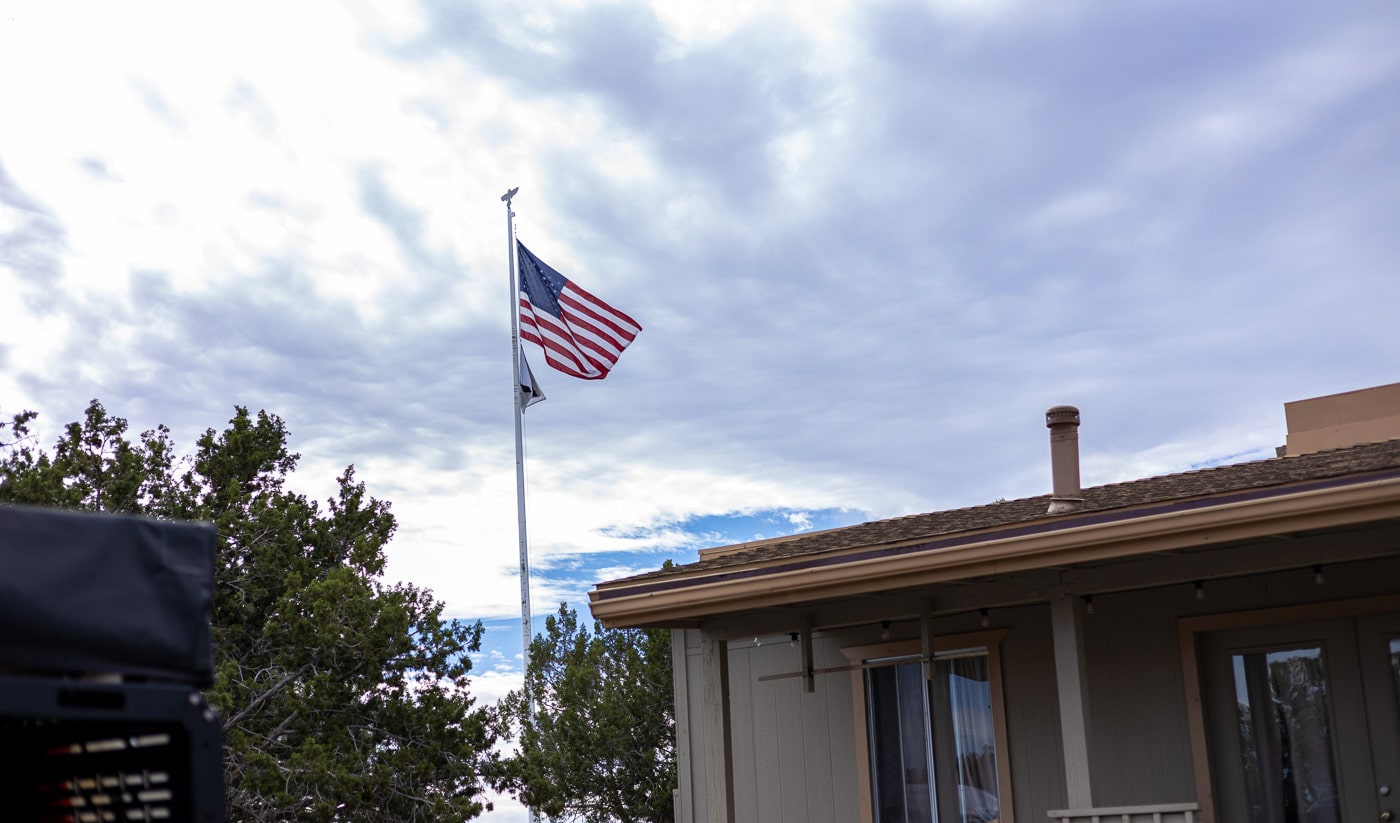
x=933 y=742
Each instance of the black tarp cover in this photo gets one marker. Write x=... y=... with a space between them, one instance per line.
x=99 y=593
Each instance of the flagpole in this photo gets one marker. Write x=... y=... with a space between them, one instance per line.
x=525 y=632
x=519 y=431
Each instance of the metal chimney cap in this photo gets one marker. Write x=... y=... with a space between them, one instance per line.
x=1060 y=415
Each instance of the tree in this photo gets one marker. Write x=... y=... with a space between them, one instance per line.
x=343 y=697
x=600 y=743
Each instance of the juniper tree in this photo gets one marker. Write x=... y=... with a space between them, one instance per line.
x=343 y=696
x=599 y=744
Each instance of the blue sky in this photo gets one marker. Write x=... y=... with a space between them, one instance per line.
x=869 y=243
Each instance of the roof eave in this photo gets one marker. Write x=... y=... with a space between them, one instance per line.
x=706 y=594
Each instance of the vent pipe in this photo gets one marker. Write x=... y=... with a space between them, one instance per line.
x=1063 y=422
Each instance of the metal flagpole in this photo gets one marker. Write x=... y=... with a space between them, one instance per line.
x=525 y=633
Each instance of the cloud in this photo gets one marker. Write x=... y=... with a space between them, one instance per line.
x=31 y=239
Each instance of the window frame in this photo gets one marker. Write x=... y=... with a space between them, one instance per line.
x=888 y=653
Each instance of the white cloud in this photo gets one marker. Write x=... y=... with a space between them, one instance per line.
x=1273 y=103
x=1072 y=211
x=490 y=686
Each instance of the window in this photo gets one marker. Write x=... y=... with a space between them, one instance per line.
x=935 y=748
x=1286 y=735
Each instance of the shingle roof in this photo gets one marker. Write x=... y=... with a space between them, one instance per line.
x=1279 y=471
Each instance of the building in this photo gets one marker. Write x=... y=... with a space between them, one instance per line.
x=1216 y=645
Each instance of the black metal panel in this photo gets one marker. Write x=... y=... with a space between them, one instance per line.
x=85 y=593
x=74 y=751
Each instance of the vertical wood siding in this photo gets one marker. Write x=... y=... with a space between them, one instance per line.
x=793 y=752
x=1032 y=712
x=1140 y=751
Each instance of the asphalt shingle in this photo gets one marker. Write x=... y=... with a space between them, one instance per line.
x=1279 y=471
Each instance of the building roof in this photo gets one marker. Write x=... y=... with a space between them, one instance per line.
x=1004 y=534
x=1195 y=484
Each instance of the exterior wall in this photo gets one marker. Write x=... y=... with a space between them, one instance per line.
x=1032 y=712
x=794 y=753
x=690 y=750
x=1139 y=745
x=1338 y=420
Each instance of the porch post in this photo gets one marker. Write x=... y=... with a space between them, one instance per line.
x=1069 y=678
x=926 y=645
x=719 y=761
x=680 y=680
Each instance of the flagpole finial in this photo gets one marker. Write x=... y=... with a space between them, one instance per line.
x=505 y=198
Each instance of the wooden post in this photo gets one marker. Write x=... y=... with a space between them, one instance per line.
x=719 y=759
x=1069 y=678
x=684 y=804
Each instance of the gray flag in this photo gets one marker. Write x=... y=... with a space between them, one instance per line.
x=530 y=391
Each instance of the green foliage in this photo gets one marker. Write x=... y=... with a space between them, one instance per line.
x=600 y=743
x=344 y=697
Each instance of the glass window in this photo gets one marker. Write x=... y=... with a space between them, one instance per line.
x=1286 y=736
x=948 y=721
x=899 y=750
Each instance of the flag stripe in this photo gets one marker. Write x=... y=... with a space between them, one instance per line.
x=586 y=315
x=587 y=338
x=561 y=349
x=614 y=319
x=558 y=349
x=599 y=332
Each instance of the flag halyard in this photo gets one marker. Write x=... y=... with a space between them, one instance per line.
x=581 y=334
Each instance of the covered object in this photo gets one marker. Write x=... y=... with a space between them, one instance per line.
x=97 y=593
x=104 y=637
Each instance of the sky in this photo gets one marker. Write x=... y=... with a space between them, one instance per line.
x=869 y=244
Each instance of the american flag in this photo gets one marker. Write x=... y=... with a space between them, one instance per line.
x=580 y=334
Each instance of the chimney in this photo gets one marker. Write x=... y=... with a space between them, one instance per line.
x=1063 y=422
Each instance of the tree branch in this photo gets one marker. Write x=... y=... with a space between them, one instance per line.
x=260 y=699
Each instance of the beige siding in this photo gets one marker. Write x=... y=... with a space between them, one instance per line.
x=793 y=752
x=690 y=747
x=1032 y=712
x=1139 y=747
x=1139 y=744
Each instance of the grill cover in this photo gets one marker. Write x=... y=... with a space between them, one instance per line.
x=98 y=593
